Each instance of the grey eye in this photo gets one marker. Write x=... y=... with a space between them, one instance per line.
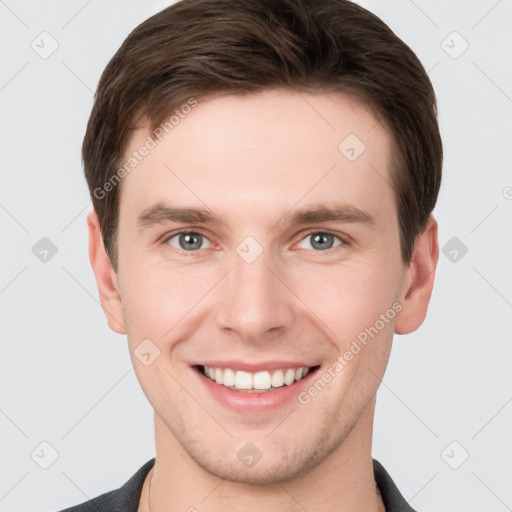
x=321 y=241
x=189 y=241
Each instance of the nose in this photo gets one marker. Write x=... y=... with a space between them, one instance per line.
x=256 y=303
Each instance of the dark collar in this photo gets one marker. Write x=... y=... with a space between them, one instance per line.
x=391 y=496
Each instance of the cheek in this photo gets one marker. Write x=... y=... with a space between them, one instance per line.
x=358 y=304
x=158 y=297
x=350 y=296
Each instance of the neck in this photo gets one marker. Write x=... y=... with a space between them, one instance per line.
x=341 y=482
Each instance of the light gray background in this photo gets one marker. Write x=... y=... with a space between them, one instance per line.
x=67 y=379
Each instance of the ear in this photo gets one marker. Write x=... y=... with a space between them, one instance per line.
x=106 y=278
x=418 y=280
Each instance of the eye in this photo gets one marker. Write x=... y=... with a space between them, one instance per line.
x=188 y=241
x=321 y=240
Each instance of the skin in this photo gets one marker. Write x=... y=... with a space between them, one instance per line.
x=254 y=161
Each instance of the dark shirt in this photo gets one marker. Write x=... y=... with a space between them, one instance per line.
x=127 y=497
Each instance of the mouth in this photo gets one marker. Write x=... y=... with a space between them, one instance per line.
x=255 y=382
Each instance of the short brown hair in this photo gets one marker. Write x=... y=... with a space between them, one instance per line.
x=200 y=48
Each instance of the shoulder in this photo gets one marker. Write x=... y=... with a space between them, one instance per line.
x=124 y=499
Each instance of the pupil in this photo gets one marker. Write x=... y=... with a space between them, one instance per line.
x=320 y=238
x=190 y=241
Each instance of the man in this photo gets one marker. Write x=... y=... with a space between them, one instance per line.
x=263 y=175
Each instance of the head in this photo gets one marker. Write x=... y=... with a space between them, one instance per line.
x=258 y=113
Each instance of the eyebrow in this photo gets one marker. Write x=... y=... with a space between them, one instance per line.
x=331 y=212
x=160 y=213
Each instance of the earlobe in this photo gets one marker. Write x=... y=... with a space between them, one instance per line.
x=418 y=280
x=106 y=278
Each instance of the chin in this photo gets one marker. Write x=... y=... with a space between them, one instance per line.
x=271 y=469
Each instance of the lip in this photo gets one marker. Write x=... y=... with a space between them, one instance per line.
x=247 y=403
x=254 y=367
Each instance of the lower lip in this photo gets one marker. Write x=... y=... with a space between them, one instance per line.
x=244 y=402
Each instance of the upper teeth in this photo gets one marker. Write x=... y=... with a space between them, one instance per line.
x=259 y=380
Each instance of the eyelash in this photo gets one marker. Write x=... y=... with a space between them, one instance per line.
x=344 y=241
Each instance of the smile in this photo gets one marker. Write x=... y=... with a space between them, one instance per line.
x=254 y=382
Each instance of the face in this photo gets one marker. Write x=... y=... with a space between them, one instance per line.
x=293 y=256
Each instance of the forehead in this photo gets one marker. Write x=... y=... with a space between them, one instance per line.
x=262 y=152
